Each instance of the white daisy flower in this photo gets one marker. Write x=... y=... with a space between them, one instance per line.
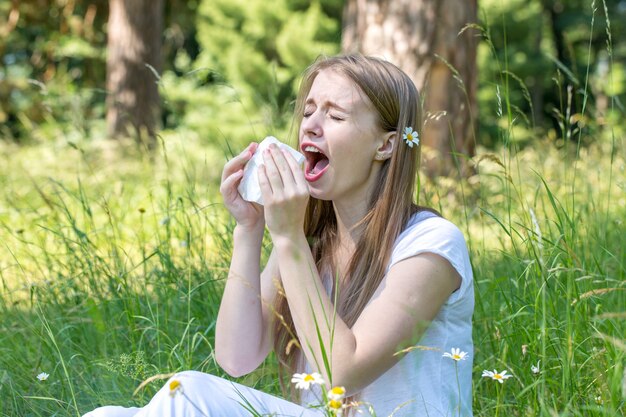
x=335 y=407
x=304 y=380
x=497 y=376
x=455 y=354
x=337 y=393
x=411 y=137
x=43 y=376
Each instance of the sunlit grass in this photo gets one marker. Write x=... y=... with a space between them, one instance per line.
x=112 y=268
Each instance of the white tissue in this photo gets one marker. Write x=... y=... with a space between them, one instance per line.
x=249 y=186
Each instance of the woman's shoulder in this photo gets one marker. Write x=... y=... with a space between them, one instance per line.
x=428 y=232
x=430 y=227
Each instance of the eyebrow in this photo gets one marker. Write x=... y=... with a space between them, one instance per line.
x=327 y=103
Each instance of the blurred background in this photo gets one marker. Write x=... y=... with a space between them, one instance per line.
x=226 y=70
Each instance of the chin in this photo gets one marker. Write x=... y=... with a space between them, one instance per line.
x=318 y=194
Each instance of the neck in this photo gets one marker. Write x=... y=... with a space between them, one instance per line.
x=348 y=216
x=351 y=208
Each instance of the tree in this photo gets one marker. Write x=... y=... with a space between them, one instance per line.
x=426 y=39
x=134 y=52
x=252 y=53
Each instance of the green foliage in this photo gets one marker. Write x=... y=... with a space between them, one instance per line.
x=131 y=365
x=52 y=62
x=231 y=67
x=547 y=54
x=252 y=53
x=53 y=69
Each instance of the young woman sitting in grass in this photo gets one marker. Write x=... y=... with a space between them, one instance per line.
x=363 y=289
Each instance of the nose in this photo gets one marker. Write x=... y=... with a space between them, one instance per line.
x=310 y=126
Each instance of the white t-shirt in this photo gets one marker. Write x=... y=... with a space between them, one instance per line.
x=423 y=382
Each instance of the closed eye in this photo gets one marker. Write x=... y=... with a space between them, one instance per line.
x=308 y=111
x=336 y=117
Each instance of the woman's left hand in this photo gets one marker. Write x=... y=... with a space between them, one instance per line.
x=285 y=193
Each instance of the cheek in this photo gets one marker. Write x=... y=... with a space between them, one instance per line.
x=353 y=161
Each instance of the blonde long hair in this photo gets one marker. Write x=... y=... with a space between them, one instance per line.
x=396 y=100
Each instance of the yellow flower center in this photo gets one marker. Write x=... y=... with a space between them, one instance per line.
x=456 y=357
x=174 y=385
x=497 y=376
x=335 y=405
x=308 y=378
x=338 y=390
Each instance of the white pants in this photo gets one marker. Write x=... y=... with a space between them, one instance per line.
x=205 y=395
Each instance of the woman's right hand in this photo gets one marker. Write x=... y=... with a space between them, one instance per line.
x=247 y=214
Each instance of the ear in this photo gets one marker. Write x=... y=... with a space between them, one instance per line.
x=386 y=145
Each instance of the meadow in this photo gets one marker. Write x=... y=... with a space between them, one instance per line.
x=112 y=265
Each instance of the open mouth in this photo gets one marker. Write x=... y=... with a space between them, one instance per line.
x=316 y=163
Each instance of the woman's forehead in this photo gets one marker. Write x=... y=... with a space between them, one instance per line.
x=337 y=88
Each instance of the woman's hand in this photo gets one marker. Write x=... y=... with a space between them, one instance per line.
x=285 y=193
x=248 y=215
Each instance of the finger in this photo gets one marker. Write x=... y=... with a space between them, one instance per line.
x=239 y=161
x=281 y=164
x=264 y=184
x=296 y=170
x=272 y=172
x=228 y=188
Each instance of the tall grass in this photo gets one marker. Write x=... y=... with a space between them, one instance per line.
x=111 y=272
x=112 y=266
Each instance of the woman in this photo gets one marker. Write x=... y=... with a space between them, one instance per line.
x=357 y=274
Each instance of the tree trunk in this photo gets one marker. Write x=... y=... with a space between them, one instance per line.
x=134 y=45
x=423 y=38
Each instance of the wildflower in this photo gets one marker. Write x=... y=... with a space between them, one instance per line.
x=304 y=381
x=335 y=407
x=43 y=376
x=599 y=400
x=337 y=393
x=455 y=354
x=524 y=350
x=410 y=137
x=142 y=210
x=535 y=369
x=175 y=388
x=497 y=376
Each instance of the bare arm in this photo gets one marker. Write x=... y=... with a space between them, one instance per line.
x=409 y=298
x=242 y=328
